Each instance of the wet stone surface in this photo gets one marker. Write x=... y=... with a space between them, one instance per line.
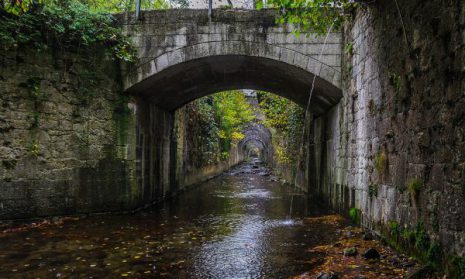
x=238 y=225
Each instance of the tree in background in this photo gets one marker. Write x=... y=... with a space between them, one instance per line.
x=312 y=16
x=285 y=120
x=215 y=124
x=233 y=112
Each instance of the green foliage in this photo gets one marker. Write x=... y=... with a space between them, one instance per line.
x=20 y=7
x=349 y=48
x=226 y=7
x=380 y=162
x=373 y=190
x=414 y=186
x=224 y=156
x=354 y=214
x=106 y=6
x=66 y=26
x=434 y=252
x=394 y=227
x=408 y=235
x=232 y=113
x=285 y=118
x=32 y=84
x=215 y=124
x=315 y=16
x=33 y=148
x=422 y=240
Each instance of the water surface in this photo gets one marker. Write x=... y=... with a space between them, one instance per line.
x=237 y=225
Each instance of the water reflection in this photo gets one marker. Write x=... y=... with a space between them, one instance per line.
x=234 y=226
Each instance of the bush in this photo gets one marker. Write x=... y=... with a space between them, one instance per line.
x=65 y=26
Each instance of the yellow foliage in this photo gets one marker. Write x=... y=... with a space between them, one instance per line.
x=237 y=137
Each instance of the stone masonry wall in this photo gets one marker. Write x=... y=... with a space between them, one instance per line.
x=196 y=159
x=71 y=142
x=65 y=136
x=394 y=147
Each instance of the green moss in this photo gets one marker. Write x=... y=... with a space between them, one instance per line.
x=396 y=81
x=349 y=48
x=422 y=240
x=394 y=227
x=408 y=236
x=434 y=253
x=414 y=186
x=354 y=214
x=380 y=162
x=416 y=242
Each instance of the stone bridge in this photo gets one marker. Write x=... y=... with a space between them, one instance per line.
x=185 y=55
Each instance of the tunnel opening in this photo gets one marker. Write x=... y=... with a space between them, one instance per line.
x=161 y=98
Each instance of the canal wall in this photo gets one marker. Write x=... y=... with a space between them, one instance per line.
x=65 y=142
x=394 y=147
x=71 y=142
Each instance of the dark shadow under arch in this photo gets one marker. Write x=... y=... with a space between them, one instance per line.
x=186 y=81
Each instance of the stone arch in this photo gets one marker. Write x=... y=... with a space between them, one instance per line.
x=179 y=76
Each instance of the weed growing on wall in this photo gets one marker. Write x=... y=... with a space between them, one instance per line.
x=380 y=162
x=414 y=186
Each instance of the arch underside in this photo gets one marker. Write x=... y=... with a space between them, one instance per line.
x=184 y=82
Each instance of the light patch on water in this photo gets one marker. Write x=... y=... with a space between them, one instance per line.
x=288 y=222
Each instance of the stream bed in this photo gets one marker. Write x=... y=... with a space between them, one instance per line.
x=242 y=224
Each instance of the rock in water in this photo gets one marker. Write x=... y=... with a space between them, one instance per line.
x=371 y=254
x=368 y=236
x=352 y=251
x=327 y=276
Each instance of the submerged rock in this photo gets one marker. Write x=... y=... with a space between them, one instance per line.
x=371 y=253
x=368 y=236
x=327 y=276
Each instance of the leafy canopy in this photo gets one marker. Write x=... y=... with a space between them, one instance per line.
x=312 y=16
x=285 y=118
x=233 y=113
